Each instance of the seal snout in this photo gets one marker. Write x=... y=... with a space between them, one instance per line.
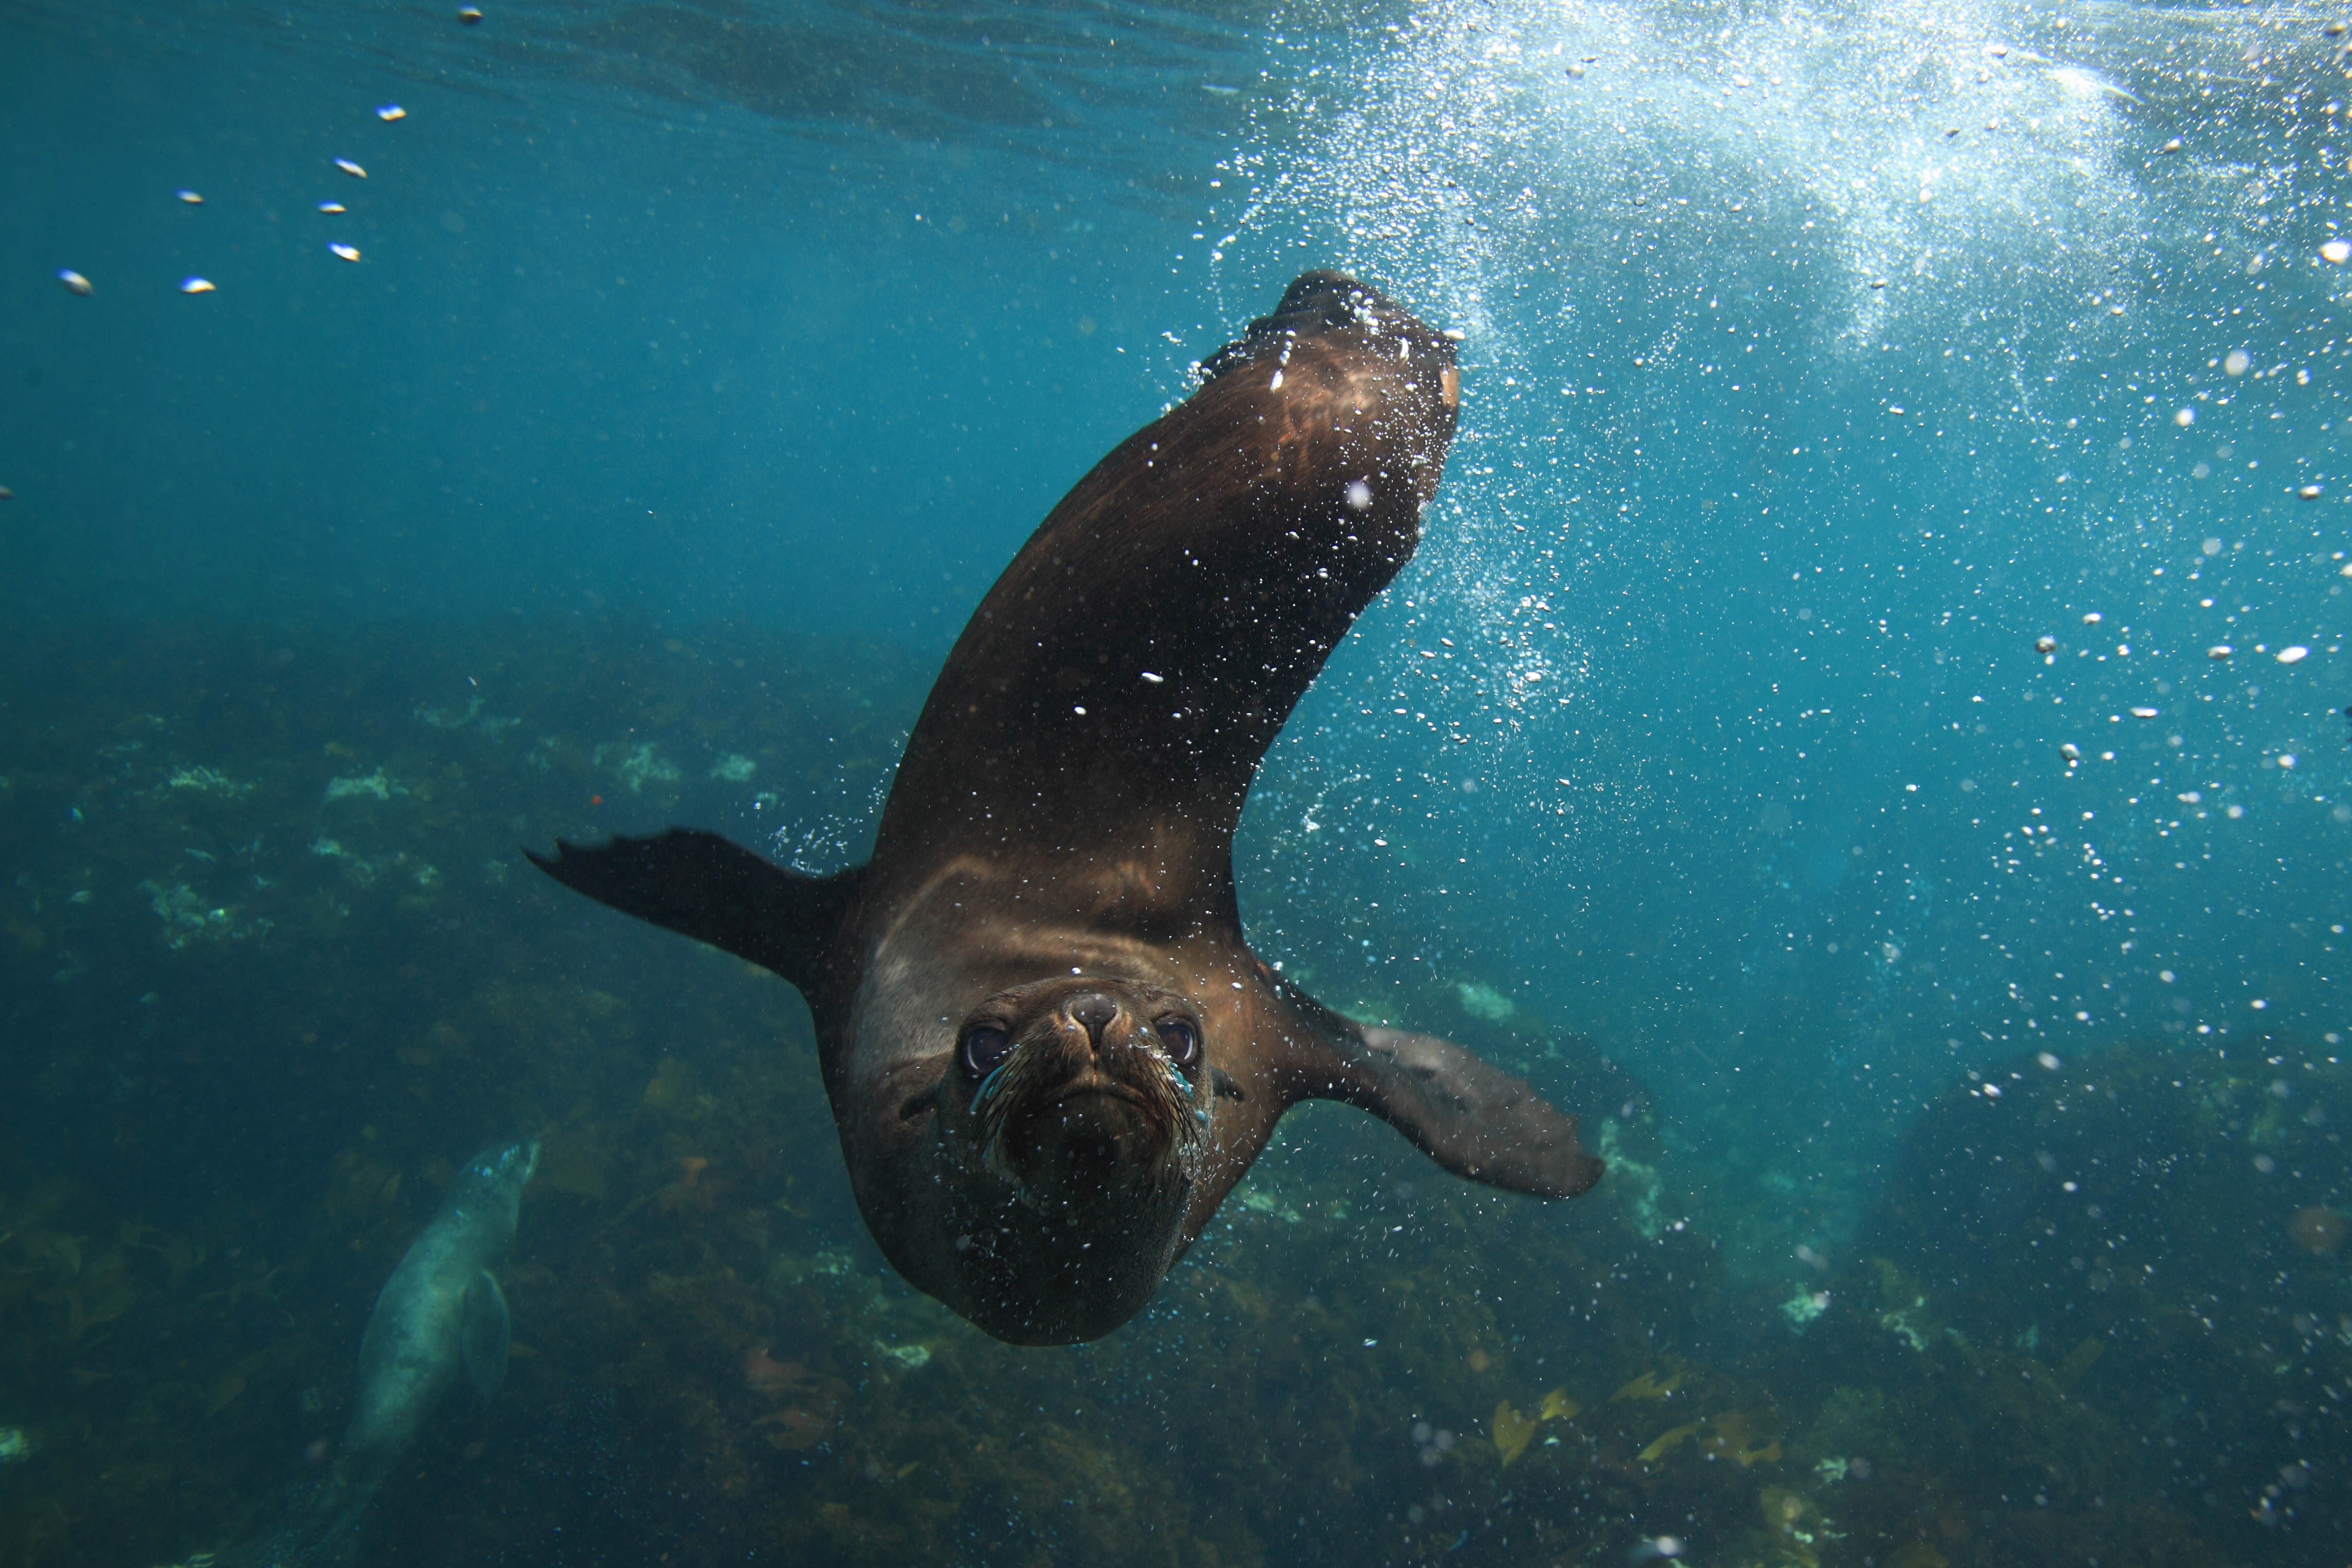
x=1093 y=1012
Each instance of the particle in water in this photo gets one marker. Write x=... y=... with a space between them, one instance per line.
x=2092 y=618
x=354 y=170
x=2172 y=146
x=2045 y=644
x=331 y=207
x=2309 y=492
x=2294 y=655
x=2219 y=650
x=390 y=112
x=2333 y=30
x=2337 y=251
x=14 y=1445
x=192 y=198
x=74 y=281
x=2185 y=418
x=6 y=494
x=2144 y=712
x=1878 y=283
x=470 y=15
x=196 y=286
x=2070 y=751
x=345 y=251
x=2235 y=362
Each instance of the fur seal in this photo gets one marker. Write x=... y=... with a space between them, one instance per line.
x=1049 y=1051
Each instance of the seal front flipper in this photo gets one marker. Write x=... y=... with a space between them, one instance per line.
x=1476 y=1120
x=485 y=1334
x=714 y=891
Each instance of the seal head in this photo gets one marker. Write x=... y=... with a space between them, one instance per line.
x=1075 y=1120
x=1049 y=1049
x=1078 y=1091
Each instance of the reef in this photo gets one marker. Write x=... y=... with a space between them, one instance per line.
x=271 y=963
x=2118 y=1273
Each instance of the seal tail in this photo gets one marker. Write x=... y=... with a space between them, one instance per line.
x=714 y=891
x=322 y=1531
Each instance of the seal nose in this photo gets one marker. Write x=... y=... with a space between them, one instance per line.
x=1094 y=1013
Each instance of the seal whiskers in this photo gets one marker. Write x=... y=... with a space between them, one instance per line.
x=1060 y=1062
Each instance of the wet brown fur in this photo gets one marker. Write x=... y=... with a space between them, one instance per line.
x=1061 y=827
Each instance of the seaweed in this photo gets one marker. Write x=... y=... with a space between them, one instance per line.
x=272 y=966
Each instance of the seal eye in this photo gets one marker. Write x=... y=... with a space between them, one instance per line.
x=984 y=1050
x=1183 y=1043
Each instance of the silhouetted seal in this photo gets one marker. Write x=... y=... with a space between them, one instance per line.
x=1049 y=1051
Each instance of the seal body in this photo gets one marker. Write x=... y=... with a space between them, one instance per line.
x=1049 y=1051
x=439 y=1316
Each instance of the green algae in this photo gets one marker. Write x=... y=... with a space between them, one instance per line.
x=228 y=1131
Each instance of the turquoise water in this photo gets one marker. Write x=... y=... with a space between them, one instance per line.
x=1878 y=642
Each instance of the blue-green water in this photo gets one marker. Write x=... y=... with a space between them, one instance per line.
x=698 y=369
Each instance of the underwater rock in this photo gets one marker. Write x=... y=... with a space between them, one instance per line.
x=203 y=781
x=1803 y=1306
x=188 y=916
x=376 y=786
x=635 y=766
x=1483 y=1001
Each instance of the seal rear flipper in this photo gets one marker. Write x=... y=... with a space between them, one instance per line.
x=485 y=1334
x=1476 y=1120
x=1111 y=699
x=714 y=891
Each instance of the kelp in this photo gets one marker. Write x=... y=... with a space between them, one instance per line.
x=224 y=1133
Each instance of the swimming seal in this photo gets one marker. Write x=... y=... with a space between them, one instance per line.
x=1049 y=1051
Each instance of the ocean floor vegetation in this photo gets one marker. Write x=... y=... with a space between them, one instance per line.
x=270 y=963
